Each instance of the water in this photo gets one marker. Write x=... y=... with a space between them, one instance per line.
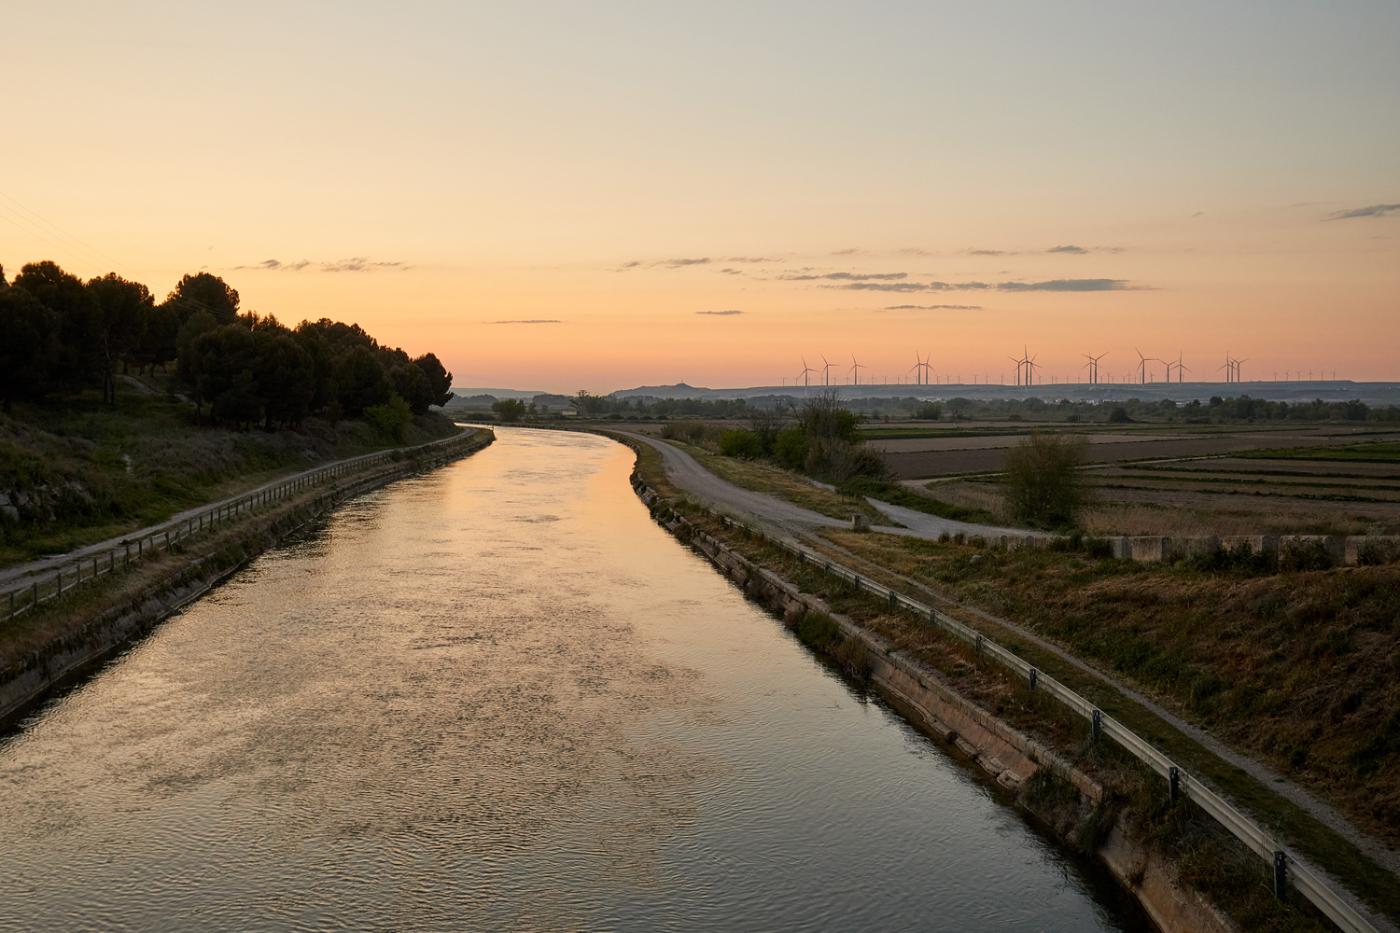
x=499 y=697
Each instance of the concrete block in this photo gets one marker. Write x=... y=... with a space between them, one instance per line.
x=1148 y=548
x=1198 y=546
x=1259 y=544
x=1122 y=547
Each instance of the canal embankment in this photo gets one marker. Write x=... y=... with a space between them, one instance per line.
x=62 y=637
x=1182 y=838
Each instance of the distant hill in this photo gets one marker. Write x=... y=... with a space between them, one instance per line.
x=497 y=393
x=1372 y=393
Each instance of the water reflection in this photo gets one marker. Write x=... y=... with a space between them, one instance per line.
x=499 y=697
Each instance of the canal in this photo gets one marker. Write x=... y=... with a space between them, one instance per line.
x=498 y=696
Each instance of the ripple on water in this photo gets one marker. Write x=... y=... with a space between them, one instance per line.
x=432 y=713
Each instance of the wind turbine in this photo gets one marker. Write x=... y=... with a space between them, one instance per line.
x=1180 y=368
x=1229 y=368
x=855 y=370
x=826 y=371
x=1021 y=364
x=805 y=374
x=1236 y=364
x=1093 y=366
x=1142 y=366
x=921 y=369
x=1031 y=367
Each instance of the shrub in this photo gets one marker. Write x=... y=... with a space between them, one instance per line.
x=737 y=442
x=508 y=409
x=790 y=447
x=391 y=419
x=929 y=411
x=1043 y=485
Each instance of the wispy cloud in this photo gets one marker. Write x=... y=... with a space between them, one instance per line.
x=727 y=312
x=353 y=264
x=848 y=251
x=1068 y=285
x=682 y=263
x=728 y=271
x=676 y=263
x=931 y=308
x=1374 y=210
x=753 y=259
x=1049 y=285
x=532 y=320
x=844 y=276
x=1062 y=249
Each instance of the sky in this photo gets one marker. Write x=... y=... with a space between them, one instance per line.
x=564 y=196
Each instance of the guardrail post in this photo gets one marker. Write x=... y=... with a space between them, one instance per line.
x=932 y=617
x=977 y=645
x=34 y=595
x=1032 y=676
x=58 y=576
x=894 y=600
x=1096 y=724
x=126 y=559
x=12 y=604
x=1174 y=783
x=1280 y=875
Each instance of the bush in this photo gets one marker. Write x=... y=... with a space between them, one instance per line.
x=790 y=447
x=737 y=442
x=508 y=409
x=1043 y=485
x=391 y=419
x=929 y=411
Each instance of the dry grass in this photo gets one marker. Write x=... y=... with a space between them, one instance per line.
x=763 y=477
x=1303 y=670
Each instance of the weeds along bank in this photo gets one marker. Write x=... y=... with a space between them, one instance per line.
x=42 y=650
x=70 y=476
x=1205 y=857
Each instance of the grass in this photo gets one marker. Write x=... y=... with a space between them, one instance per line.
x=1381 y=452
x=900 y=494
x=94 y=473
x=759 y=476
x=1302 y=670
x=1214 y=862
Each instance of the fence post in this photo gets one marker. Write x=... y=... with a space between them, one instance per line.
x=1280 y=875
x=977 y=644
x=1174 y=782
x=1033 y=675
x=59 y=577
x=1096 y=724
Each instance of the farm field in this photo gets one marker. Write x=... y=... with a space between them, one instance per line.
x=1224 y=496
x=929 y=458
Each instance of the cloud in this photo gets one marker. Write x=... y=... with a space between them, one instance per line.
x=931 y=308
x=1375 y=210
x=844 y=276
x=731 y=272
x=727 y=312
x=1068 y=248
x=987 y=252
x=681 y=263
x=358 y=264
x=1050 y=285
x=535 y=320
x=752 y=259
x=848 y=251
x=353 y=264
x=1068 y=285
x=911 y=286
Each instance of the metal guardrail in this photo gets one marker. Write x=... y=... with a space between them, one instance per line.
x=1289 y=868
x=23 y=593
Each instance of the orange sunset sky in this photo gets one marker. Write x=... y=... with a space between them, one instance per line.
x=561 y=196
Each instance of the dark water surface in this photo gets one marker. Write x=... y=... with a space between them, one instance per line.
x=499 y=697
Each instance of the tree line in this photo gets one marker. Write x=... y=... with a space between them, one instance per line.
x=59 y=334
